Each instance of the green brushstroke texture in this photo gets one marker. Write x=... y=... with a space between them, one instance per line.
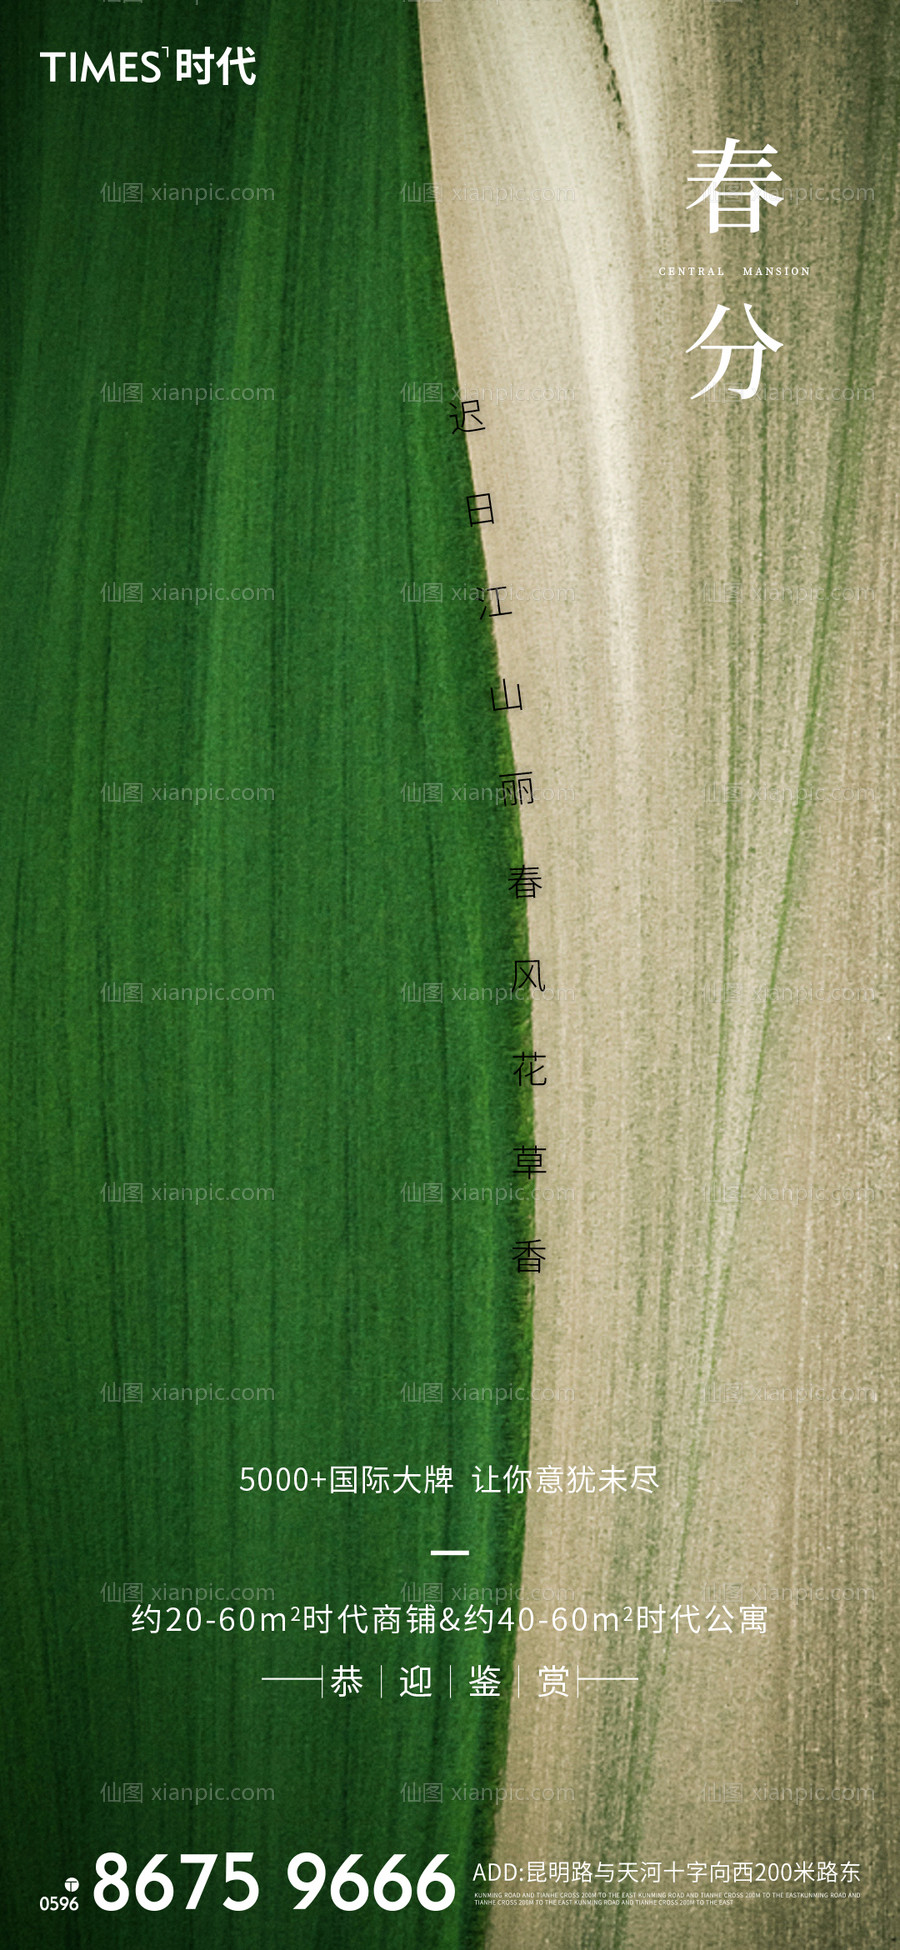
x=336 y=693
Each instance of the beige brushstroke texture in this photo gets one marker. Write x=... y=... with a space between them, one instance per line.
x=641 y=699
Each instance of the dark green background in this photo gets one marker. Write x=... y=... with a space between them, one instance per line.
x=336 y=694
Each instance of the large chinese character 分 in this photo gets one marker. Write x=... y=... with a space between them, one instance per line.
x=762 y=339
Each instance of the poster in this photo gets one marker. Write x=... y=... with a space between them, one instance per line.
x=449 y=973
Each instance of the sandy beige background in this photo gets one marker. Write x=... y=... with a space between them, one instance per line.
x=678 y=729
